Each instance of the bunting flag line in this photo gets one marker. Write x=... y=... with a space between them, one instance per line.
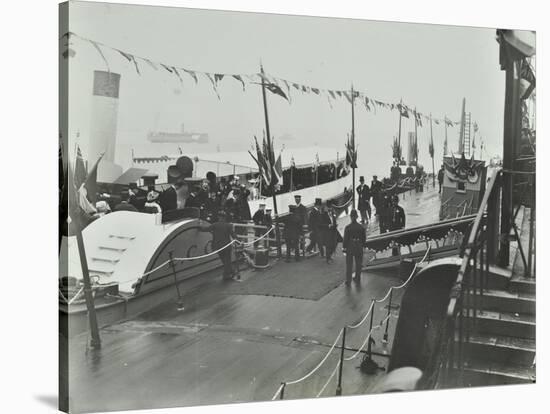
x=274 y=84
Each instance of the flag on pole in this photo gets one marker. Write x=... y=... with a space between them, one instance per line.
x=403 y=110
x=276 y=89
x=91 y=181
x=79 y=169
x=278 y=171
x=351 y=154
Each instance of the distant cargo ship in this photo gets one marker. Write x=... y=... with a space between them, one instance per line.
x=182 y=136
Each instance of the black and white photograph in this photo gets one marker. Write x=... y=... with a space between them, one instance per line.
x=256 y=207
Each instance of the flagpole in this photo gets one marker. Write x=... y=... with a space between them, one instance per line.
x=446 y=146
x=353 y=162
x=272 y=163
x=433 y=150
x=415 y=139
x=95 y=341
x=399 y=136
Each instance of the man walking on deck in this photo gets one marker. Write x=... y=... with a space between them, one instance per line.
x=329 y=231
x=354 y=239
x=376 y=190
x=397 y=219
x=293 y=230
x=222 y=235
x=314 y=228
x=363 y=200
x=301 y=211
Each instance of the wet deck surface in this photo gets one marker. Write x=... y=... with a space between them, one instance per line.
x=227 y=348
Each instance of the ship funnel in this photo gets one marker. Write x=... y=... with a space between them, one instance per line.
x=103 y=126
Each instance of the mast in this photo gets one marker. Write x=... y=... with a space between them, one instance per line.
x=432 y=148
x=445 y=145
x=462 y=125
x=399 y=135
x=272 y=163
x=415 y=148
x=354 y=162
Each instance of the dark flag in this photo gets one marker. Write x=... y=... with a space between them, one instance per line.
x=238 y=77
x=79 y=169
x=403 y=110
x=271 y=87
x=218 y=77
x=192 y=74
x=91 y=182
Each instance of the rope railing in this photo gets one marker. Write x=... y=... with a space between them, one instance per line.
x=182 y=259
x=366 y=341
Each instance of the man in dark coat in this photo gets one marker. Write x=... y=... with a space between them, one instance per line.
x=363 y=200
x=124 y=204
x=259 y=220
x=314 y=228
x=384 y=212
x=376 y=190
x=397 y=219
x=222 y=235
x=301 y=211
x=293 y=231
x=168 y=199
x=242 y=209
x=440 y=175
x=354 y=239
x=329 y=231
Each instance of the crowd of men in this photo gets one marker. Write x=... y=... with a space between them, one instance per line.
x=223 y=202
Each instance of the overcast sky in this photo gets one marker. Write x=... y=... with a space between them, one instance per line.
x=431 y=67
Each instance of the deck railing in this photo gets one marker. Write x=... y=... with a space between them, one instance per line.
x=479 y=250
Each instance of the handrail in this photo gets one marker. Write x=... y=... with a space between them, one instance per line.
x=471 y=240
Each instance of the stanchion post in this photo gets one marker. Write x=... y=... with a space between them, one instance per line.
x=388 y=316
x=282 y=394
x=179 y=303
x=369 y=349
x=340 y=368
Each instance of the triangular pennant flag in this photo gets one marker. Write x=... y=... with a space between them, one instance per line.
x=271 y=87
x=332 y=95
x=130 y=59
x=192 y=74
x=166 y=67
x=209 y=76
x=296 y=86
x=101 y=53
x=329 y=101
x=177 y=74
x=315 y=90
x=238 y=77
x=347 y=95
x=218 y=77
x=339 y=93
x=305 y=88
x=151 y=64
x=287 y=89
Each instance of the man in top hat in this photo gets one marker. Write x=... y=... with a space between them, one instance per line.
x=222 y=235
x=301 y=211
x=363 y=200
x=314 y=228
x=375 y=191
x=355 y=237
x=242 y=209
x=329 y=231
